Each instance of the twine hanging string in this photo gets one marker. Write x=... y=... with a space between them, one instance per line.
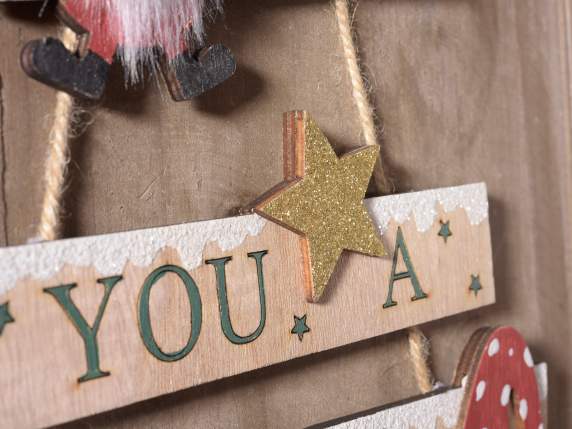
x=420 y=353
x=365 y=110
x=58 y=157
x=419 y=349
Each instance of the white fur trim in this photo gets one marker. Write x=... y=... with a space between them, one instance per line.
x=154 y=23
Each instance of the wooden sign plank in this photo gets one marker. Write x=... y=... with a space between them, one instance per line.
x=439 y=410
x=92 y=324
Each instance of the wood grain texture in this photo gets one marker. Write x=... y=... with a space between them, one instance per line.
x=490 y=77
x=467 y=90
x=46 y=355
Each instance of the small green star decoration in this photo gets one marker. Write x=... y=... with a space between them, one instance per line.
x=5 y=317
x=300 y=327
x=445 y=230
x=475 y=284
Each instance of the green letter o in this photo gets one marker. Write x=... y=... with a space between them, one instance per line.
x=145 y=328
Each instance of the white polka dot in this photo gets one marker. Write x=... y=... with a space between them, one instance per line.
x=528 y=358
x=481 y=390
x=494 y=347
x=511 y=351
x=505 y=395
x=540 y=426
x=523 y=409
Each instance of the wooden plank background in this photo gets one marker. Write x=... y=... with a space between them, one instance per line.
x=473 y=90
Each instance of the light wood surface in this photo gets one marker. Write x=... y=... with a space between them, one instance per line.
x=468 y=91
x=46 y=354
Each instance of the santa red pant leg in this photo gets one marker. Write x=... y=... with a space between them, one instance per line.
x=187 y=73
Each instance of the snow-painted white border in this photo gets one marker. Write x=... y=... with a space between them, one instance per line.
x=423 y=205
x=424 y=412
x=109 y=254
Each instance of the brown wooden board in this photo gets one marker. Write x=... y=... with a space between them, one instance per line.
x=102 y=322
x=468 y=91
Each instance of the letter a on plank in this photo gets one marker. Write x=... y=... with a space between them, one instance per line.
x=400 y=246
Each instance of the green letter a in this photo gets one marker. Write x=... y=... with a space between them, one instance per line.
x=88 y=333
x=409 y=274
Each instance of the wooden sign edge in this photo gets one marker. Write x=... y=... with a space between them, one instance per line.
x=283 y=358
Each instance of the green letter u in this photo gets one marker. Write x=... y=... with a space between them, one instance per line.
x=226 y=324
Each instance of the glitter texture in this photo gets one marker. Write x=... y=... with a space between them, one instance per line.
x=109 y=254
x=423 y=205
x=325 y=205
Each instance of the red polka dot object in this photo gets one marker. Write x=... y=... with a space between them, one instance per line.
x=501 y=382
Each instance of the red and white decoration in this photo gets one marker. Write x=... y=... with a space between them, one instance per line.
x=503 y=377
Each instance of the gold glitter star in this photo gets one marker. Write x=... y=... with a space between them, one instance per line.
x=321 y=199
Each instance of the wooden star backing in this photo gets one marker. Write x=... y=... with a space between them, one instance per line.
x=321 y=199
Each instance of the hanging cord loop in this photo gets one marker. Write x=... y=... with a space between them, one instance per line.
x=419 y=349
x=420 y=353
x=58 y=157
x=365 y=110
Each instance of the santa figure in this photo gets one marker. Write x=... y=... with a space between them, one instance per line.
x=143 y=33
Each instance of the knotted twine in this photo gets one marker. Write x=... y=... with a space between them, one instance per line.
x=59 y=157
x=419 y=349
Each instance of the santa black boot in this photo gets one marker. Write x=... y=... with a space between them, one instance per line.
x=189 y=75
x=48 y=61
